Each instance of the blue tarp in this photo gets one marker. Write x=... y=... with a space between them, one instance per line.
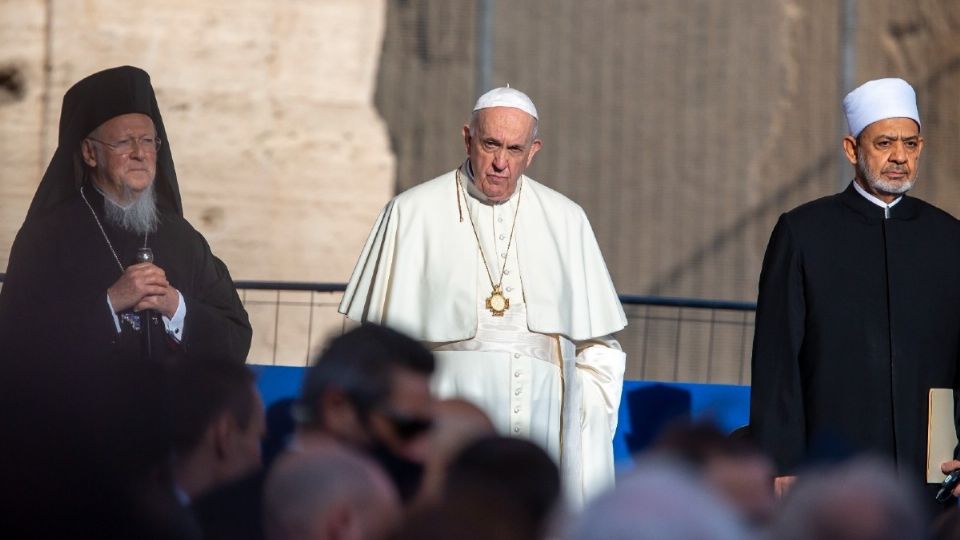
x=645 y=409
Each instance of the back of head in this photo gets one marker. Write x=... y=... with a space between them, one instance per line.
x=515 y=471
x=201 y=392
x=316 y=493
x=658 y=501
x=858 y=500
x=361 y=363
x=736 y=469
x=698 y=443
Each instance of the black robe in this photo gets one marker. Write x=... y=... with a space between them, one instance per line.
x=857 y=318
x=54 y=298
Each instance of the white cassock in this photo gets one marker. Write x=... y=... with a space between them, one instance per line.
x=549 y=369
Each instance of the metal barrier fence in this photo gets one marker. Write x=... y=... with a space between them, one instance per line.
x=667 y=339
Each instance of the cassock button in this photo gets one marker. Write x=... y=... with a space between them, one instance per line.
x=516 y=429
x=503 y=255
x=517 y=393
x=506 y=272
x=509 y=289
x=516 y=409
x=502 y=237
x=499 y=220
x=516 y=355
x=516 y=373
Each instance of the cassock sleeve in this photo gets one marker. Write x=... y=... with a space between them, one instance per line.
x=600 y=365
x=216 y=326
x=776 y=395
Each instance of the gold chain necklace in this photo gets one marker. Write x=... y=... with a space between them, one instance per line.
x=497 y=302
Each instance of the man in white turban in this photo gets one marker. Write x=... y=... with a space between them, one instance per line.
x=858 y=314
x=503 y=279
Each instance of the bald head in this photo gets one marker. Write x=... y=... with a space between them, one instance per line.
x=328 y=492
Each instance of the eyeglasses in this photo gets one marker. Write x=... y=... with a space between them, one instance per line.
x=126 y=146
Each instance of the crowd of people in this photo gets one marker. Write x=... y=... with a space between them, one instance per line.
x=478 y=395
x=173 y=452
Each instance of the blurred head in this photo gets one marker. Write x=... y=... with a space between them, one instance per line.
x=457 y=423
x=371 y=385
x=734 y=468
x=658 y=501
x=370 y=389
x=329 y=493
x=858 y=500
x=513 y=471
x=501 y=140
x=218 y=424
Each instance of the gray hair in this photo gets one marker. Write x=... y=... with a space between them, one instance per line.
x=658 y=501
x=140 y=216
x=860 y=499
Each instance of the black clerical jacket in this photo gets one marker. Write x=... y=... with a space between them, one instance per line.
x=54 y=302
x=858 y=316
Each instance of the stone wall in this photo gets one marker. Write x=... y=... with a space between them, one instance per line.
x=684 y=129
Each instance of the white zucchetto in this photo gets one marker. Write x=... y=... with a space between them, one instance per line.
x=879 y=100
x=506 y=97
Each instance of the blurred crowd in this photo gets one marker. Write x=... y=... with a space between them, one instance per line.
x=185 y=450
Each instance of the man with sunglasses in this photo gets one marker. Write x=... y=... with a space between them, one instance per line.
x=105 y=262
x=370 y=389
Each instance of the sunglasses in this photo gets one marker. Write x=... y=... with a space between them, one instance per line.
x=407 y=426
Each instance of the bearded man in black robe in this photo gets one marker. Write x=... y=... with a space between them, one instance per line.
x=858 y=314
x=76 y=281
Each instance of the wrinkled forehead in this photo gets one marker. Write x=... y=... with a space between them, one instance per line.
x=507 y=121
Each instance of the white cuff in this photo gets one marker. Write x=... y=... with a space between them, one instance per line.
x=116 y=320
x=174 y=325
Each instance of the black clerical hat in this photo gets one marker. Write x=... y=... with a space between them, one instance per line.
x=88 y=104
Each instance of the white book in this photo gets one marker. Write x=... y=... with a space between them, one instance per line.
x=941 y=432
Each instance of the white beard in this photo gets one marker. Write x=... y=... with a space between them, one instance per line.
x=879 y=183
x=140 y=216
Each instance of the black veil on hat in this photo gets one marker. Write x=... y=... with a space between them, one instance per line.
x=88 y=104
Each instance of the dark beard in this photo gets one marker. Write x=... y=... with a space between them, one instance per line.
x=140 y=217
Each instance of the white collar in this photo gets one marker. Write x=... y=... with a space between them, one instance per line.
x=873 y=199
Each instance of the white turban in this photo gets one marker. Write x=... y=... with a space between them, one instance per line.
x=506 y=97
x=879 y=100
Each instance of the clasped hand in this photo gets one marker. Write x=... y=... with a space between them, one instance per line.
x=144 y=286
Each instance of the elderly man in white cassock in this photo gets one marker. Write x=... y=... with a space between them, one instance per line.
x=503 y=279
